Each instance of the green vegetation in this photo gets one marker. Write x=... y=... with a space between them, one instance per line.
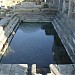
x=45 y=6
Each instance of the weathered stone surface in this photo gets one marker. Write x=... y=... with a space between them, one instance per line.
x=7 y=32
x=1 y=35
x=50 y=74
x=1 y=45
x=66 y=69
x=1 y=29
x=3 y=22
x=13 y=69
x=22 y=69
x=33 y=69
x=5 y=68
x=54 y=70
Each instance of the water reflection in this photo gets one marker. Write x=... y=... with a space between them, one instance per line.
x=59 y=53
x=36 y=43
x=30 y=27
x=48 y=28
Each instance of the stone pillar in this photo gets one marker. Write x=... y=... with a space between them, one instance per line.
x=60 y=5
x=65 y=6
x=44 y=0
x=71 y=8
x=55 y=4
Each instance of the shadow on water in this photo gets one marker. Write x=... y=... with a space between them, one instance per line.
x=36 y=43
x=60 y=55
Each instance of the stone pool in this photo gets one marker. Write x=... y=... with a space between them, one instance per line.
x=36 y=43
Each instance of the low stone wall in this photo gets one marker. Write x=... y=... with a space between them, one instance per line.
x=7 y=32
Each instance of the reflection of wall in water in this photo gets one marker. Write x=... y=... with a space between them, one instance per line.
x=59 y=53
x=30 y=27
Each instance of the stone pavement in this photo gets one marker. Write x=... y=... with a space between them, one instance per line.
x=65 y=69
x=13 y=69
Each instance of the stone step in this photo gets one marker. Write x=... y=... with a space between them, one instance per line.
x=8 y=42
x=7 y=32
x=2 y=35
x=2 y=43
x=62 y=36
x=1 y=29
x=66 y=38
x=50 y=74
x=1 y=46
x=54 y=70
x=4 y=21
x=13 y=69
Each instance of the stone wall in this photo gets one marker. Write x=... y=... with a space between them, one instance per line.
x=7 y=28
x=65 y=28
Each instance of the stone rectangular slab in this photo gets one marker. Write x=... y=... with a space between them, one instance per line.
x=1 y=46
x=2 y=35
x=1 y=29
x=13 y=69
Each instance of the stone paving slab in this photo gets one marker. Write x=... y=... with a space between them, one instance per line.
x=64 y=69
x=13 y=69
x=4 y=21
x=67 y=69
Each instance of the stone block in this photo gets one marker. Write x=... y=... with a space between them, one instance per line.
x=3 y=22
x=3 y=40
x=5 y=69
x=1 y=46
x=2 y=35
x=1 y=29
x=54 y=69
x=19 y=69
x=33 y=71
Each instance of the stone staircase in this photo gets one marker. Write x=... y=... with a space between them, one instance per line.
x=27 y=5
x=8 y=26
x=43 y=15
x=31 y=12
x=66 y=33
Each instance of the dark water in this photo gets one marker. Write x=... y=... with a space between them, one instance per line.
x=0 y=18
x=36 y=43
